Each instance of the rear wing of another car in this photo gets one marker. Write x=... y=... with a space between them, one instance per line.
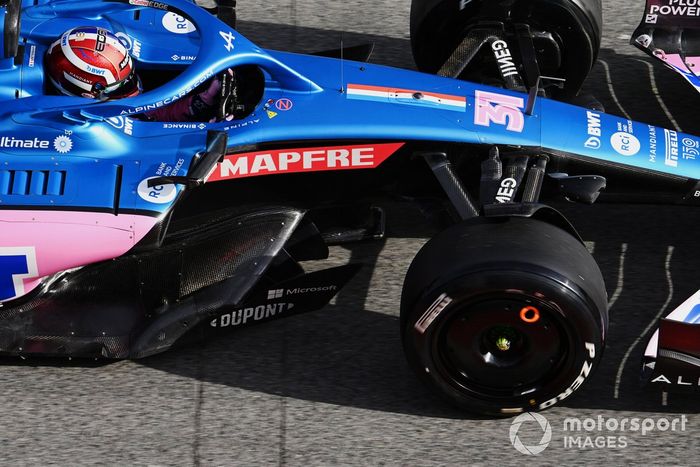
x=670 y=32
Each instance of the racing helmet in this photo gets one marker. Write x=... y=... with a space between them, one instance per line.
x=92 y=62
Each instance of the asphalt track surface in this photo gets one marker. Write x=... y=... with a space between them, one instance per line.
x=332 y=387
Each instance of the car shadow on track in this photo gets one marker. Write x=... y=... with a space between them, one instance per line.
x=344 y=355
x=635 y=85
x=350 y=354
x=387 y=51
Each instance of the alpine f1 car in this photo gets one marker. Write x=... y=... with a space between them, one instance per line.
x=670 y=32
x=122 y=236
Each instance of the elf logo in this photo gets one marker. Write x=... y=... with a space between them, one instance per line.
x=16 y=265
x=303 y=160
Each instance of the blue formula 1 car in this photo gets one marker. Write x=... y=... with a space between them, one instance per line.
x=121 y=235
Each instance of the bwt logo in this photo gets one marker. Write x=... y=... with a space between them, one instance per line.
x=16 y=265
x=96 y=71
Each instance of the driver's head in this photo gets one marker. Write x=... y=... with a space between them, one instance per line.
x=91 y=62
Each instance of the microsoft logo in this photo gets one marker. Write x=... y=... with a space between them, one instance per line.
x=275 y=293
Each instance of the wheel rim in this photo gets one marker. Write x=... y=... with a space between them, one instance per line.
x=493 y=347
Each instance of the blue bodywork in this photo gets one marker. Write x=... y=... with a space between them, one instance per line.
x=103 y=135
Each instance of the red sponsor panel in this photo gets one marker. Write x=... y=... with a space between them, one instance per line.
x=251 y=164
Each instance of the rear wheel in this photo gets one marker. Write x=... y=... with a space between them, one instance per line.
x=502 y=316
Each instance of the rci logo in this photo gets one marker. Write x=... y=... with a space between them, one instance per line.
x=542 y=425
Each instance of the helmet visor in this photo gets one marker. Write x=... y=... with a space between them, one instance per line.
x=128 y=87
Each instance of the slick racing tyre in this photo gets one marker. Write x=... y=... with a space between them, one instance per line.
x=503 y=315
x=566 y=34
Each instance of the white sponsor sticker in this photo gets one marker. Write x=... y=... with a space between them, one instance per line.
x=177 y=24
x=625 y=143
x=160 y=194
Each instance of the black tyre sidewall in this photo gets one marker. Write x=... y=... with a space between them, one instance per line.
x=576 y=289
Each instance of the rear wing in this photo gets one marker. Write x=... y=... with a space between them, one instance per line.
x=670 y=32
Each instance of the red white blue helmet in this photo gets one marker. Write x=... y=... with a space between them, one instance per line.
x=92 y=62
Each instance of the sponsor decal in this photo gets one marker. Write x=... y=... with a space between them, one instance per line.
x=431 y=313
x=250 y=314
x=690 y=148
x=507 y=190
x=131 y=45
x=149 y=3
x=242 y=124
x=190 y=58
x=136 y=49
x=169 y=100
x=406 y=96
x=275 y=293
x=625 y=143
x=177 y=24
x=228 y=37
x=32 y=55
x=184 y=126
x=676 y=381
x=652 y=144
x=504 y=58
x=101 y=40
x=675 y=8
x=62 y=143
x=585 y=371
x=284 y=104
x=95 y=71
x=12 y=142
x=16 y=265
x=78 y=77
x=161 y=194
x=671 y=155
x=167 y=170
x=303 y=160
x=644 y=40
x=271 y=114
x=499 y=109
x=674 y=13
x=593 y=129
x=279 y=293
x=122 y=123
x=124 y=39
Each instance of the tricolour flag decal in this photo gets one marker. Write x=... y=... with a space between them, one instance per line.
x=407 y=96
